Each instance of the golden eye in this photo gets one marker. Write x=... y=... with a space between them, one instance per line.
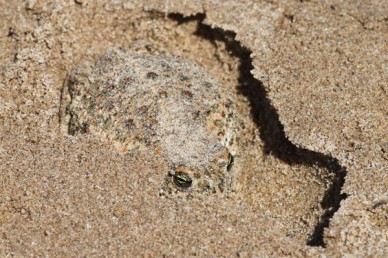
x=182 y=180
x=230 y=162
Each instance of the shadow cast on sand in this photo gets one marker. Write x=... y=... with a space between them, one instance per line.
x=271 y=130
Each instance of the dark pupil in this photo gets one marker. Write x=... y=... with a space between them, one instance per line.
x=182 y=180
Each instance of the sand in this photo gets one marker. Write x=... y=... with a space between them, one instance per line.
x=309 y=79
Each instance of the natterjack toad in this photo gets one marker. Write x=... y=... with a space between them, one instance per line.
x=167 y=104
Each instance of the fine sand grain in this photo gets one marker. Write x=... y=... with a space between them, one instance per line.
x=308 y=81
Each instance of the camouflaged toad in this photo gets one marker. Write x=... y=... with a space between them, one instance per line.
x=167 y=104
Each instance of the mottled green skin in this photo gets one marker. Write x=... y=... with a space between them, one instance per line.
x=167 y=104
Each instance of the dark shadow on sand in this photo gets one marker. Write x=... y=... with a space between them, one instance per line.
x=271 y=130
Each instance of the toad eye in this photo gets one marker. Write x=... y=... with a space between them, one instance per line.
x=230 y=162
x=182 y=180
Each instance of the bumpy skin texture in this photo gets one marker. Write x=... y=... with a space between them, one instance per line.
x=166 y=104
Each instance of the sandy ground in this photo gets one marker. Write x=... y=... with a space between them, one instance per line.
x=310 y=175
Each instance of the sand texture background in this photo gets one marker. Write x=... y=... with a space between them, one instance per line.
x=310 y=176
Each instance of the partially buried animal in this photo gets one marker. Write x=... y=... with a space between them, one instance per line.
x=168 y=104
